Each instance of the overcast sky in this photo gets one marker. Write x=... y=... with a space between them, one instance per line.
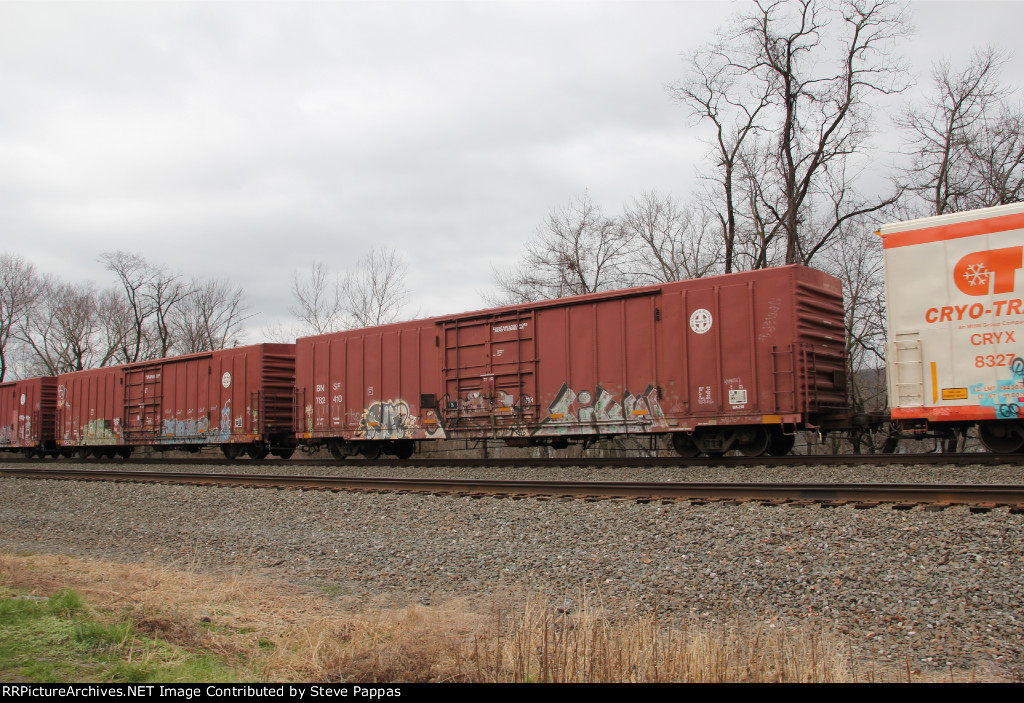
x=245 y=140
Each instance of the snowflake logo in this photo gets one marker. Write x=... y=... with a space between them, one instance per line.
x=977 y=275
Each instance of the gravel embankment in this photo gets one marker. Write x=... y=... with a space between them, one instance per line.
x=944 y=587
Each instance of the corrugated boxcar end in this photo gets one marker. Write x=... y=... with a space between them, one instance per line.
x=821 y=329
x=277 y=391
x=27 y=415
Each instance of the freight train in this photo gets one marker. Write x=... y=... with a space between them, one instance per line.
x=740 y=362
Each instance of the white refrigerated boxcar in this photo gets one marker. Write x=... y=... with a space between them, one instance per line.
x=954 y=286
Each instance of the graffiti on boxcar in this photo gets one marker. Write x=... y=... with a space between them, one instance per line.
x=187 y=430
x=191 y=430
x=387 y=419
x=600 y=412
x=225 y=421
x=431 y=425
x=501 y=402
x=770 y=322
x=100 y=431
x=1003 y=397
x=474 y=402
x=6 y=432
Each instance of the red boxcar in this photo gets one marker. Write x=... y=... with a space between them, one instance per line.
x=732 y=362
x=238 y=398
x=90 y=408
x=27 y=415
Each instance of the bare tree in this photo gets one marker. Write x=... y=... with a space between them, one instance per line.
x=720 y=92
x=209 y=318
x=372 y=293
x=60 y=327
x=19 y=289
x=116 y=326
x=375 y=292
x=576 y=250
x=135 y=276
x=152 y=293
x=668 y=242
x=787 y=88
x=166 y=293
x=950 y=130
x=997 y=158
x=759 y=242
x=318 y=302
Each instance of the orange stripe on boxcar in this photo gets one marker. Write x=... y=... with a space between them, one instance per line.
x=956 y=230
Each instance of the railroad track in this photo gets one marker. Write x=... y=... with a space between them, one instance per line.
x=979 y=497
x=931 y=458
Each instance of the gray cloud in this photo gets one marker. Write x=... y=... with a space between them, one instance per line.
x=245 y=140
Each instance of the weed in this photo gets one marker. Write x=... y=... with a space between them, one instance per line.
x=66 y=603
x=98 y=633
x=15 y=610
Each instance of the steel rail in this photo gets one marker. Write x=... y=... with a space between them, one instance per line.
x=947 y=494
x=973 y=458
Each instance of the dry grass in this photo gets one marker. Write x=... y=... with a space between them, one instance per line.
x=285 y=635
x=538 y=644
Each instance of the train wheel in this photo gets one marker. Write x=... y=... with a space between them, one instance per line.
x=403 y=449
x=684 y=445
x=755 y=442
x=231 y=451
x=714 y=442
x=1001 y=437
x=369 y=450
x=83 y=452
x=28 y=452
x=781 y=444
x=257 y=451
x=285 y=453
x=125 y=452
x=339 y=450
x=67 y=453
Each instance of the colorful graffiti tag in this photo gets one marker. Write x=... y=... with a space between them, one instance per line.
x=1007 y=395
x=600 y=412
x=393 y=419
x=387 y=419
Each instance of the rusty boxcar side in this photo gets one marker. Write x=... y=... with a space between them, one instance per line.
x=90 y=408
x=237 y=398
x=372 y=389
x=27 y=415
x=731 y=362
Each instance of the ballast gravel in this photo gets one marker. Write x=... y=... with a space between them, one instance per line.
x=939 y=588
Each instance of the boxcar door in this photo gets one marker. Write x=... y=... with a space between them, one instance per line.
x=490 y=372
x=142 y=393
